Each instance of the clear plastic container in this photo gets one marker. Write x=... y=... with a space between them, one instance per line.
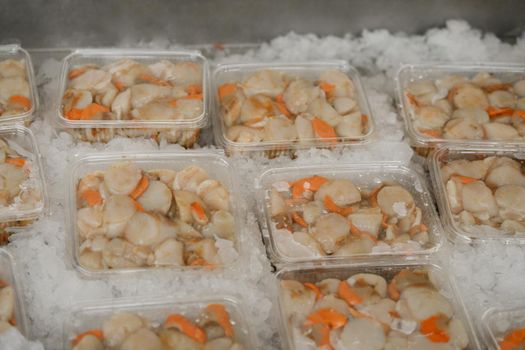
x=92 y=316
x=214 y=164
x=21 y=140
x=497 y=322
x=450 y=222
x=366 y=177
x=445 y=285
x=17 y=53
x=185 y=132
x=229 y=73
x=409 y=73
x=8 y=273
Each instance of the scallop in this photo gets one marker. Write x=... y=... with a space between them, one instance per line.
x=299 y=94
x=511 y=202
x=303 y=127
x=330 y=230
x=156 y=198
x=502 y=99
x=423 y=302
x=322 y=109
x=122 y=178
x=351 y=125
x=479 y=115
x=505 y=175
x=363 y=334
x=117 y=211
x=89 y=342
x=470 y=96
x=395 y=201
x=297 y=301
x=264 y=82
x=278 y=129
x=367 y=219
x=430 y=117
x=342 y=192
x=499 y=131
x=170 y=252
x=189 y=178
x=343 y=86
x=422 y=87
x=93 y=80
x=143 y=229
x=477 y=198
x=119 y=326
x=519 y=88
x=463 y=128
x=243 y=134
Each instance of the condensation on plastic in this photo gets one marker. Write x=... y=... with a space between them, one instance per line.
x=16 y=52
x=413 y=72
x=224 y=73
x=91 y=315
x=8 y=273
x=497 y=321
x=448 y=153
x=365 y=176
x=443 y=283
x=25 y=139
x=215 y=164
x=184 y=132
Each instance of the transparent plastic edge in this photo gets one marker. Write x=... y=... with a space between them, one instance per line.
x=281 y=260
x=457 y=300
x=233 y=147
x=31 y=80
x=199 y=123
x=37 y=213
x=235 y=301
x=81 y=160
x=21 y=324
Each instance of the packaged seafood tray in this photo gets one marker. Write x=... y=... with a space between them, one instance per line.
x=18 y=94
x=445 y=103
x=134 y=93
x=372 y=306
x=209 y=323
x=275 y=108
x=130 y=212
x=504 y=327
x=22 y=191
x=346 y=212
x=12 y=309
x=480 y=192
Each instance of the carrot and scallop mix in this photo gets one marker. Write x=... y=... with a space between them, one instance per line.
x=368 y=312
x=7 y=306
x=271 y=106
x=15 y=92
x=129 y=90
x=128 y=217
x=482 y=107
x=513 y=339
x=19 y=186
x=212 y=329
x=319 y=216
x=486 y=194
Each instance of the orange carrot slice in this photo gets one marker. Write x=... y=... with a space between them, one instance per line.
x=327 y=87
x=194 y=89
x=393 y=293
x=432 y=328
x=315 y=289
x=519 y=113
x=333 y=207
x=496 y=87
x=327 y=316
x=223 y=318
x=173 y=103
x=151 y=79
x=86 y=113
x=19 y=162
x=20 y=100
x=203 y=263
x=76 y=72
x=312 y=183
x=417 y=229
x=186 y=327
x=364 y=119
x=348 y=294
x=325 y=337
x=138 y=206
x=357 y=232
x=94 y=332
x=91 y=197
x=298 y=219
x=226 y=89
x=464 y=179
x=323 y=130
x=192 y=97
x=430 y=132
x=513 y=340
x=142 y=186
x=384 y=222
x=119 y=85
x=498 y=112
x=412 y=99
x=281 y=105
x=199 y=210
